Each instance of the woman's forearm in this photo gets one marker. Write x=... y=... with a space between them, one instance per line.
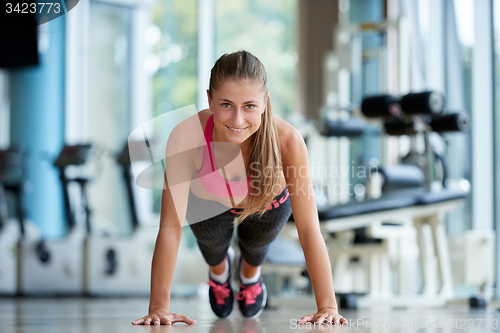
x=163 y=267
x=319 y=269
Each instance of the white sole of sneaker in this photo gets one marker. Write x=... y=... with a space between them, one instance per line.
x=231 y=258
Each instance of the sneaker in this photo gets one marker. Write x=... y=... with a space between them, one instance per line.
x=252 y=298
x=221 y=294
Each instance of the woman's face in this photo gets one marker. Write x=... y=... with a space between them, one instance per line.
x=237 y=106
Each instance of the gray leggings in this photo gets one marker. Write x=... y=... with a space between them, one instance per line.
x=254 y=233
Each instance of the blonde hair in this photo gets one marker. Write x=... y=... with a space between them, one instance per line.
x=265 y=155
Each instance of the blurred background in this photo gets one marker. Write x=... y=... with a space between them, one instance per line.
x=69 y=102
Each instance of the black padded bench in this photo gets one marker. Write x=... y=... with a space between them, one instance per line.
x=389 y=202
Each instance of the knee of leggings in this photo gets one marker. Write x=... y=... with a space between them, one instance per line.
x=256 y=242
x=213 y=246
x=255 y=258
x=254 y=248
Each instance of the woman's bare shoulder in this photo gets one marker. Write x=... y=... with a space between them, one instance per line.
x=203 y=116
x=197 y=120
x=189 y=133
x=288 y=135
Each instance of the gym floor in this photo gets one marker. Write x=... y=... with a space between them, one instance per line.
x=109 y=315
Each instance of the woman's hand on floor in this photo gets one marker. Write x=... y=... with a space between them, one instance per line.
x=163 y=317
x=325 y=316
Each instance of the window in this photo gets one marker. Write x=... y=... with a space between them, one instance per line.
x=4 y=111
x=108 y=111
x=173 y=63
x=459 y=50
x=496 y=166
x=266 y=29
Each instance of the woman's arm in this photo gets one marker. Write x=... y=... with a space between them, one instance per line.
x=163 y=266
x=165 y=254
x=177 y=181
x=297 y=175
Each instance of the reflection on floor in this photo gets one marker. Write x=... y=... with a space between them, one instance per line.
x=110 y=315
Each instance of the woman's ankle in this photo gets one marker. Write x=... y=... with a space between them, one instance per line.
x=249 y=273
x=218 y=269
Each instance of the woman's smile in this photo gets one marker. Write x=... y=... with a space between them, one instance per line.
x=236 y=130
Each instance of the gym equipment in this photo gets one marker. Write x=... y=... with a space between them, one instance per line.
x=420 y=113
x=417 y=113
x=372 y=241
x=338 y=129
x=390 y=221
x=381 y=106
x=393 y=219
x=400 y=177
x=406 y=208
x=55 y=266
x=4 y=214
x=453 y=122
x=13 y=178
x=351 y=128
x=121 y=265
x=396 y=126
x=284 y=263
x=465 y=249
x=84 y=261
x=10 y=230
x=427 y=102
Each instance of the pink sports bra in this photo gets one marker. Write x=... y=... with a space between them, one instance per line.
x=211 y=179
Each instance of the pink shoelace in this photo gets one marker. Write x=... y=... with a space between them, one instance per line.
x=220 y=291
x=249 y=293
